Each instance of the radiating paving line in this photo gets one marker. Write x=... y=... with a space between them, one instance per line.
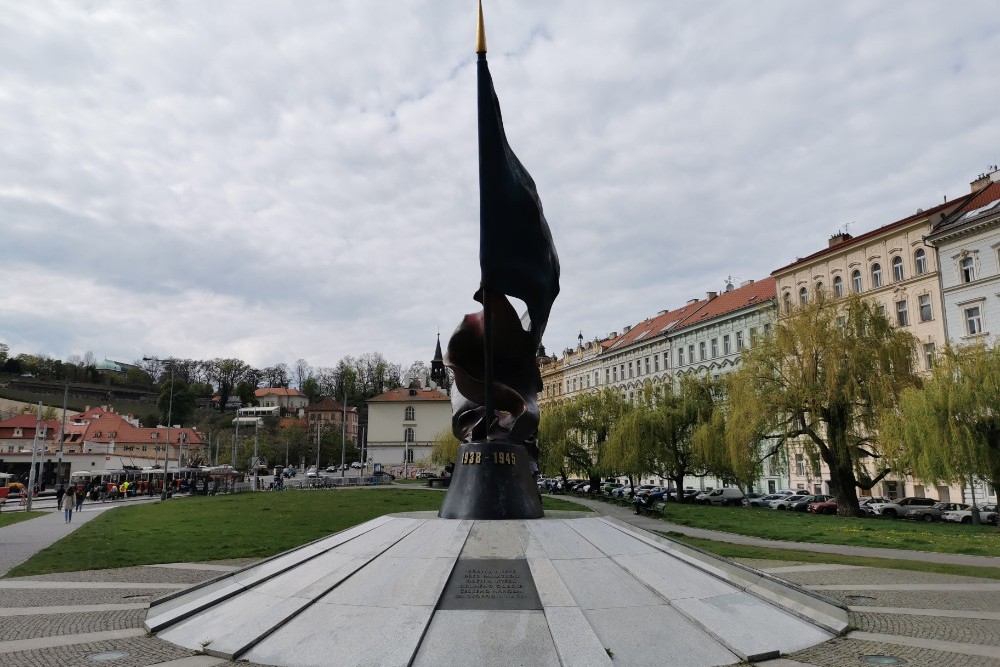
x=197 y=566
x=943 y=613
x=11 y=584
x=70 y=609
x=930 y=644
x=68 y=640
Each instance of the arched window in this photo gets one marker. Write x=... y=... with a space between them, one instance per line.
x=803 y=296
x=856 y=281
x=787 y=298
x=897 y=268
x=408 y=435
x=920 y=261
x=876 y=275
x=838 y=286
x=408 y=413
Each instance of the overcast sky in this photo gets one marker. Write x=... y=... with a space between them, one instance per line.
x=274 y=181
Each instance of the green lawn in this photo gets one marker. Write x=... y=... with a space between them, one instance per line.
x=804 y=527
x=10 y=516
x=249 y=525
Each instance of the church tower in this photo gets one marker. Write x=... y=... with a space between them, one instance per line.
x=439 y=374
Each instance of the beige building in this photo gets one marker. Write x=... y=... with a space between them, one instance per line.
x=402 y=426
x=894 y=267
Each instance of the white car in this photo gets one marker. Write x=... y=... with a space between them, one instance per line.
x=782 y=503
x=987 y=514
x=312 y=472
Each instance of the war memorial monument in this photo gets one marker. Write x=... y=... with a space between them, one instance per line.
x=492 y=580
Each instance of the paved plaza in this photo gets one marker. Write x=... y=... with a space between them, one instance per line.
x=96 y=616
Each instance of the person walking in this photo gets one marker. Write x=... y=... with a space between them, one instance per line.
x=69 y=501
x=60 y=492
x=80 y=497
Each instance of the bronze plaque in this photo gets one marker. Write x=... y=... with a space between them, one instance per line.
x=493 y=583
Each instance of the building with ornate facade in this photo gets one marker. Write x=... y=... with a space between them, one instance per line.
x=403 y=423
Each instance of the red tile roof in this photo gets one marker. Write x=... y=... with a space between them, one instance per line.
x=975 y=206
x=403 y=395
x=733 y=300
x=277 y=391
x=665 y=321
x=329 y=405
x=26 y=422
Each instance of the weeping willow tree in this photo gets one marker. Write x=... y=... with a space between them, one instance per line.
x=572 y=435
x=949 y=430
x=825 y=377
x=445 y=449
x=657 y=435
x=731 y=444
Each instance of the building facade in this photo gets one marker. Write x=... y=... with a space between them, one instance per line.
x=402 y=426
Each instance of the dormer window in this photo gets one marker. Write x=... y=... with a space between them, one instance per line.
x=18 y=433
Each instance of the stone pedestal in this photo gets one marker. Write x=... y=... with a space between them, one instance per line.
x=492 y=480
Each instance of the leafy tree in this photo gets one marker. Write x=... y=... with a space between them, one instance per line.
x=181 y=409
x=312 y=390
x=275 y=376
x=572 y=435
x=658 y=434
x=226 y=374
x=948 y=430
x=735 y=450
x=445 y=450
x=4 y=353
x=825 y=377
x=245 y=390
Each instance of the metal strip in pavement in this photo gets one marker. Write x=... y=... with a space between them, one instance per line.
x=70 y=609
x=812 y=567
x=16 y=645
x=931 y=644
x=42 y=585
x=198 y=566
x=942 y=613
x=975 y=588
x=192 y=661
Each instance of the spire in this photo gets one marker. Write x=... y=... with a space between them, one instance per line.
x=481 y=31
x=438 y=373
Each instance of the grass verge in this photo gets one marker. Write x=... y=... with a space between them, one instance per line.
x=249 y=525
x=863 y=532
x=10 y=517
x=727 y=550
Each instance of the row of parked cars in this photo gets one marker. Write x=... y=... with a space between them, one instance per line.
x=920 y=509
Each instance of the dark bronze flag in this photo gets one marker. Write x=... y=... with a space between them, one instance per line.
x=516 y=253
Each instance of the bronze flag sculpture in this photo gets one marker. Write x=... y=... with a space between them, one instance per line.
x=493 y=356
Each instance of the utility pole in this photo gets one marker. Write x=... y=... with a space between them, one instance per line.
x=343 y=435
x=256 y=462
x=62 y=437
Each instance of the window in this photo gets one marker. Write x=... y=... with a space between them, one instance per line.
x=925 y=307
x=929 y=356
x=680 y=356
x=615 y=373
x=902 y=317
x=856 y=281
x=690 y=354
x=842 y=323
x=920 y=261
x=630 y=369
x=409 y=456
x=408 y=413
x=838 y=286
x=725 y=345
x=407 y=434
x=666 y=361
x=897 y=268
x=973 y=321
x=647 y=365
x=607 y=376
x=967 y=270
x=803 y=296
x=876 y=275
x=701 y=351
x=800 y=464
x=597 y=378
x=656 y=362
x=715 y=347
x=739 y=340
x=787 y=299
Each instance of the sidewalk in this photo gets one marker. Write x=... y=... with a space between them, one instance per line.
x=659 y=525
x=24 y=539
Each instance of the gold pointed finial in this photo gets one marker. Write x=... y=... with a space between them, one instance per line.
x=481 y=32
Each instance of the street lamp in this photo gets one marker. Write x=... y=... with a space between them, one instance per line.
x=170 y=417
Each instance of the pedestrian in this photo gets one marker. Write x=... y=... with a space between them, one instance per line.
x=80 y=497
x=60 y=492
x=70 y=501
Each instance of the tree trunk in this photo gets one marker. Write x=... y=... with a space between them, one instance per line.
x=679 y=485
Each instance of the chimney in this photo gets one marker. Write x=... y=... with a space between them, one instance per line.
x=690 y=301
x=746 y=283
x=626 y=328
x=710 y=295
x=984 y=180
x=838 y=238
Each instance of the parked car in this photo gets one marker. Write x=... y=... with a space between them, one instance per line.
x=727 y=496
x=823 y=507
x=762 y=501
x=426 y=474
x=782 y=503
x=867 y=502
x=934 y=512
x=987 y=514
x=312 y=472
x=621 y=491
x=899 y=507
x=803 y=505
